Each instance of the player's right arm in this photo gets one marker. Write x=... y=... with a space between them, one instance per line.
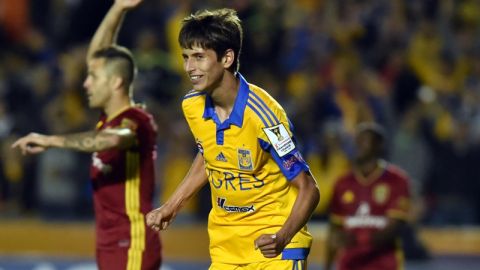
x=159 y=219
x=90 y=141
x=107 y=32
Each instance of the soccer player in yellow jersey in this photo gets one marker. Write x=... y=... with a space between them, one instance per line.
x=262 y=191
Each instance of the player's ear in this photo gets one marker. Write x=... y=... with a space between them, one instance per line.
x=228 y=58
x=116 y=82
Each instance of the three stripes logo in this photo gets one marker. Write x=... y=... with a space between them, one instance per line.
x=221 y=157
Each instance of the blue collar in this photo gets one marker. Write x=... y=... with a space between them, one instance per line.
x=236 y=116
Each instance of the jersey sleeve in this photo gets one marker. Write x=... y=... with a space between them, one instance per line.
x=399 y=205
x=335 y=207
x=280 y=142
x=144 y=127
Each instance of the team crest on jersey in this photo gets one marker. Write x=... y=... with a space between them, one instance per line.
x=381 y=193
x=348 y=197
x=280 y=139
x=245 y=159
x=199 y=146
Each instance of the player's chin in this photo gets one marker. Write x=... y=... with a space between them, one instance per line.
x=93 y=105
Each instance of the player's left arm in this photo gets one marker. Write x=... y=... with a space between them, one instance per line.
x=387 y=235
x=305 y=203
x=90 y=141
x=397 y=215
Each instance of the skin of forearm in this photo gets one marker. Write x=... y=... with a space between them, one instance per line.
x=388 y=235
x=91 y=141
x=107 y=32
x=195 y=179
x=302 y=209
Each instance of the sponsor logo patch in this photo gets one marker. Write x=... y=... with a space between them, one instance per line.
x=221 y=202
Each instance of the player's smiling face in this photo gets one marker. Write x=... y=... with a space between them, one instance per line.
x=97 y=84
x=203 y=67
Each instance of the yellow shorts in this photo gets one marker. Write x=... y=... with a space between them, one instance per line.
x=266 y=265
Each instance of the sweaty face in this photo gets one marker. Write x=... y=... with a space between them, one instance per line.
x=97 y=84
x=203 y=68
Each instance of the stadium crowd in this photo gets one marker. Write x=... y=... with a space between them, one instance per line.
x=412 y=66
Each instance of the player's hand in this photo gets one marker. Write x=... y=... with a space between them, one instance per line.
x=160 y=218
x=33 y=143
x=127 y=4
x=271 y=245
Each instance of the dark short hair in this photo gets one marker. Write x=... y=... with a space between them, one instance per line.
x=218 y=30
x=120 y=61
x=377 y=130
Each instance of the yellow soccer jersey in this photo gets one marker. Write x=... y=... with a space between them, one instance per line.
x=250 y=159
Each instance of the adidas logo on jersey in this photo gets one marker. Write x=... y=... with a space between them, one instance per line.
x=221 y=157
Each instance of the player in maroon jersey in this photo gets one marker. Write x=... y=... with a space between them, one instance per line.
x=369 y=207
x=123 y=147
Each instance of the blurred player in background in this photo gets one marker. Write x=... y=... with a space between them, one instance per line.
x=124 y=148
x=261 y=188
x=369 y=209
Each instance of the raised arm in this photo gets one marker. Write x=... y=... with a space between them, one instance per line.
x=107 y=32
x=196 y=178
x=90 y=141
x=307 y=199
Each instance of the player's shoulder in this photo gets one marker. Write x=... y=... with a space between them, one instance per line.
x=264 y=107
x=138 y=112
x=260 y=95
x=193 y=99
x=396 y=173
x=346 y=179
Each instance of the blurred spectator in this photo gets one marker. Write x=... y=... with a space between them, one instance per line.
x=411 y=65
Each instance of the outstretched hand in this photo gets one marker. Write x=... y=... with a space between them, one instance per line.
x=271 y=245
x=127 y=4
x=33 y=143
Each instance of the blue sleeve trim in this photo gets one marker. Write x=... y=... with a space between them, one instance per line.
x=291 y=165
x=265 y=145
x=295 y=253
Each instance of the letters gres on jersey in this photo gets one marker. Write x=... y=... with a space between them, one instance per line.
x=249 y=160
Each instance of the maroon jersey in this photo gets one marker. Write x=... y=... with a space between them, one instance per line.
x=364 y=207
x=123 y=184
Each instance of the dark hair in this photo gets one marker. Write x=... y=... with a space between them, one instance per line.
x=218 y=30
x=119 y=60
x=375 y=129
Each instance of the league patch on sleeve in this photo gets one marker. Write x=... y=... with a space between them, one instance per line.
x=280 y=139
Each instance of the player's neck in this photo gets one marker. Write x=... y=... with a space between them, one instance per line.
x=367 y=167
x=224 y=96
x=117 y=105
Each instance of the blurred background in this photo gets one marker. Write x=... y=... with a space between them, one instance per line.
x=411 y=65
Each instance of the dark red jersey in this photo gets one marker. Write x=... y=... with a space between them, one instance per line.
x=123 y=184
x=363 y=207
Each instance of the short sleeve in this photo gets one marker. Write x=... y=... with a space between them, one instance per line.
x=399 y=205
x=279 y=141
